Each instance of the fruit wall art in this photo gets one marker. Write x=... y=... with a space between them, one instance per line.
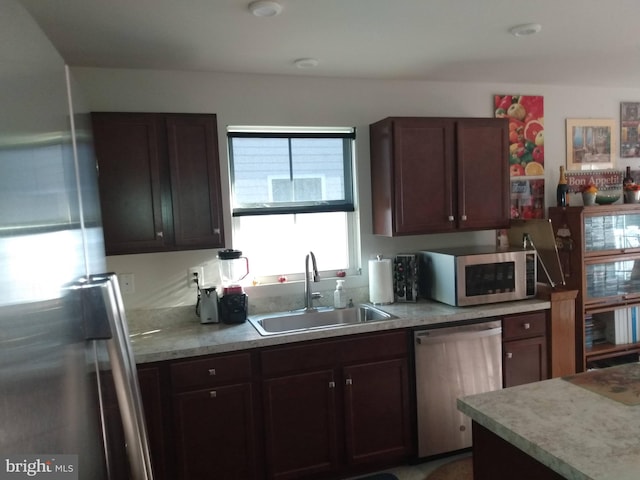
x=526 y=151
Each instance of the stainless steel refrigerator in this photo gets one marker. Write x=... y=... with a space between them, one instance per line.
x=62 y=322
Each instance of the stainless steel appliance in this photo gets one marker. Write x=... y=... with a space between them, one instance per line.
x=452 y=362
x=62 y=321
x=208 y=306
x=462 y=276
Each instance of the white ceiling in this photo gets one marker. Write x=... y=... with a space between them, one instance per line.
x=582 y=42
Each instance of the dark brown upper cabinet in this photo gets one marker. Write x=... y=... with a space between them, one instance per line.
x=159 y=179
x=436 y=175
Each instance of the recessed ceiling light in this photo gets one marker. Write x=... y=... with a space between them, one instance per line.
x=525 y=30
x=263 y=8
x=306 y=63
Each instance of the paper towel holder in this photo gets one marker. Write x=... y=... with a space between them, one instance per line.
x=381 y=281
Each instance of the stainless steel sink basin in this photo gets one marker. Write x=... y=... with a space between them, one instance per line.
x=322 y=317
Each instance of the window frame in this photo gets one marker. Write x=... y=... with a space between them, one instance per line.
x=348 y=136
x=353 y=233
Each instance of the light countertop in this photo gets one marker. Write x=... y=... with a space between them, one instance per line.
x=576 y=432
x=166 y=336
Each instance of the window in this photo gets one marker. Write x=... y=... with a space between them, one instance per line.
x=292 y=192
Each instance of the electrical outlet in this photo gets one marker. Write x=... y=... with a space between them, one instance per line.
x=126 y=282
x=195 y=273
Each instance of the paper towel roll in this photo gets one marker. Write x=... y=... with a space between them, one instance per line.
x=381 y=281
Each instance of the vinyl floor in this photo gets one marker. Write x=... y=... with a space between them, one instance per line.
x=419 y=471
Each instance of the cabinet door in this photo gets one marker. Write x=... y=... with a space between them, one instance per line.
x=215 y=433
x=377 y=412
x=129 y=179
x=300 y=425
x=482 y=151
x=423 y=174
x=151 y=393
x=195 y=180
x=525 y=361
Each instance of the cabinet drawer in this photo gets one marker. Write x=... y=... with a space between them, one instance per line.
x=331 y=353
x=210 y=371
x=299 y=358
x=374 y=347
x=523 y=326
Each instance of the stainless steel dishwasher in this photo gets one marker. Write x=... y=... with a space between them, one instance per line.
x=452 y=362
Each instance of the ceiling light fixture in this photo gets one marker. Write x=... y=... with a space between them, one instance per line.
x=263 y=8
x=306 y=63
x=525 y=30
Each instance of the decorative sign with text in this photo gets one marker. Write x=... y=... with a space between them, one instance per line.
x=602 y=179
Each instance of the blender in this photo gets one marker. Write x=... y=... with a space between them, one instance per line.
x=234 y=304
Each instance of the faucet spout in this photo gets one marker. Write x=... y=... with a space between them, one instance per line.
x=309 y=275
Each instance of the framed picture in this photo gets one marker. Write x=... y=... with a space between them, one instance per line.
x=590 y=144
x=629 y=125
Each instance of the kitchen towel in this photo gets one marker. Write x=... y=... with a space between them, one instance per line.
x=381 y=281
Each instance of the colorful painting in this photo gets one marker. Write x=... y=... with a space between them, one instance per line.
x=527 y=198
x=526 y=152
x=526 y=132
x=629 y=130
x=590 y=144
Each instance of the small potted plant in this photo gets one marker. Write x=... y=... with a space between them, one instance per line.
x=631 y=193
x=589 y=193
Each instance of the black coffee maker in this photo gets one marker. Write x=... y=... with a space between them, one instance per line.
x=234 y=303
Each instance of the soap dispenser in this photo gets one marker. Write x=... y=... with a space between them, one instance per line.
x=340 y=296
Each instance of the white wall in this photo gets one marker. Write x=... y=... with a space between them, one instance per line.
x=160 y=279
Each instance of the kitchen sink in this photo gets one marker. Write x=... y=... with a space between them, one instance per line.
x=321 y=317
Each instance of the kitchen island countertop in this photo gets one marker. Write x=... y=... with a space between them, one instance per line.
x=156 y=339
x=577 y=433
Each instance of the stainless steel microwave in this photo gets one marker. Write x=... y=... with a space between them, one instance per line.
x=463 y=276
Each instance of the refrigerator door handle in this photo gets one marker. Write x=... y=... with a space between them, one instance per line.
x=95 y=315
x=123 y=369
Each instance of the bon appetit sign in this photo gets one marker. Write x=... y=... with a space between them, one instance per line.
x=602 y=179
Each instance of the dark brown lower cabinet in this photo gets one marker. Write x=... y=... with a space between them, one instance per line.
x=524 y=348
x=497 y=459
x=214 y=418
x=376 y=406
x=300 y=424
x=336 y=407
x=215 y=433
x=150 y=391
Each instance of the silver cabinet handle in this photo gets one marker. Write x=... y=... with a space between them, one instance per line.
x=332 y=384
x=451 y=219
x=509 y=355
x=212 y=372
x=216 y=231
x=463 y=218
x=527 y=326
x=160 y=234
x=213 y=394
x=348 y=381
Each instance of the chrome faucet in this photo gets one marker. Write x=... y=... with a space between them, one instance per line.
x=308 y=296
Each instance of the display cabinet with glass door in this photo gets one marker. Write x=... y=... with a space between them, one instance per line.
x=599 y=249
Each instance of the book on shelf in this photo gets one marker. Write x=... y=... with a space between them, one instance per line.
x=622 y=325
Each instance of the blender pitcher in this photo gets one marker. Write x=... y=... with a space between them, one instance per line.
x=233 y=268
x=234 y=302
